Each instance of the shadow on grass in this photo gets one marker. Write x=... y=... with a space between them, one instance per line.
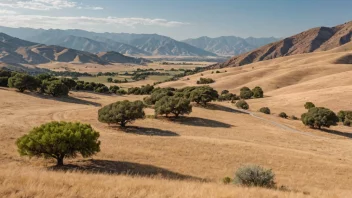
x=123 y=168
x=146 y=131
x=223 y=108
x=67 y=99
x=348 y=135
x=203 y=122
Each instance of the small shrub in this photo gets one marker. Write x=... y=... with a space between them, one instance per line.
x=265 y=110
x=347 y=122
x=293 y=117
x=110 y=80
x=218 y=72
x=309 y=105
x=283 y=115
x=242 y=104
x=226 y=180
x=254 y=175
x=121 y=92
x=225 y=92
x=113 y=89
x=258 y=92
x=205 y=81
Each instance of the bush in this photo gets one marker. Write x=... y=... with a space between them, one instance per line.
x=205 y=81
x=55 y=88
x=283 y=115
x=254 y=175
x=60 y=140
x=225 y=92
x=23 y=82
x=242 y=104
x=347 y=122
x=121 y=112
x=203 y=95
x=309 y=105
x=246 y=93
x=226 y=180
x=121 y=92
x=218 y=72
x=70 y=83
x=228 y=97
x=102 y=89
x=318 y=117
x=110 y=80
x=173 y=104
x=265 y=110
x=258 y=92
x=343 y=115
x=113 y=89
x=144 y=90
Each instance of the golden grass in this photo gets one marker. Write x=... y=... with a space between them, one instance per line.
x=171 y=158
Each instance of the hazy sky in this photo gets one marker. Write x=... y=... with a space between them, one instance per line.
x=179 y=19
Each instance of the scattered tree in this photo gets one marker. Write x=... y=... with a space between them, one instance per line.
x=55 y=88
x=173 y=104
x=60 y=140
x=113 y=89
x=205 y=81
x=265 y=110
x=203 y=95
x=110 y=80
x=121 y=112
x=309 y=105
x=23 y=82
x=246 y=93
x=242 y=104
x=318 y=117
x=70 y=83
x=258 y=92
x=283 y=115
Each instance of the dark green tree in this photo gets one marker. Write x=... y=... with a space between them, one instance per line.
x=114 y=89
x=242 y=104
x=246 y=93
x=283 y=115
x=204 y=95
x=309 y=105
x=121 y=112
x=23 y=82
x=318 y=117
x=59 y=140
x=265 y=110
x=70 y=83
x=258 y=92
x=55 y=88
x=110 y=80
x=173 y=104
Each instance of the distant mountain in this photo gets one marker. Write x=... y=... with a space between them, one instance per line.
x=312 y=40
x=17 y=51
x=115 y=57
x=229 y=45
x=62 y=38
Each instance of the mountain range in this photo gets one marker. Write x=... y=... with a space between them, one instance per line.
x=18 y=51
x=229 y=45
x=312 y=40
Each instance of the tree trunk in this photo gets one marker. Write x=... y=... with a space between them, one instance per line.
x=60 y=161
x=123 y=124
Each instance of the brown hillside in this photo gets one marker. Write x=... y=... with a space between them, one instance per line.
x=316 y=39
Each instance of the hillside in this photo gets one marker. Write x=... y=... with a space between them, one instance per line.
x=316 y=39
x=147 y=44
x=229 y=45
x=115 y=57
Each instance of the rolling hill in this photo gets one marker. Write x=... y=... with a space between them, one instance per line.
x=315 y=39
x=229 y=45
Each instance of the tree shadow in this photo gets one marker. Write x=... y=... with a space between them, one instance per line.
x=123 y=168
x=146 y=131
x=348 y=135
x=67 y=99
x=203 y=122
x=223 y=108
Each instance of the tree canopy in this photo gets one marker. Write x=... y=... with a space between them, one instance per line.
x=318 y=117
x=173 y=104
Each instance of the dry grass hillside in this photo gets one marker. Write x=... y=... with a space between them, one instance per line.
x=312 y=40
x=164 y=158
x=321 y=77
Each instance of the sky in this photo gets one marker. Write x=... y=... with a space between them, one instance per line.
x=179 y=19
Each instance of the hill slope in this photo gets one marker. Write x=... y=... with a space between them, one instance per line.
x=229 y=45
x=316 y=39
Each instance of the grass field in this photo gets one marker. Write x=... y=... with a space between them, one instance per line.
x=188 y=157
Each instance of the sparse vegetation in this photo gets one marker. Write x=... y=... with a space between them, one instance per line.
x=309 y=105
x=265 y=110
x=205 y=81
x=283 y=115
x=318 y=117
x=121 y=112
x=255 y=176
x=59 y=140
x=242 y=104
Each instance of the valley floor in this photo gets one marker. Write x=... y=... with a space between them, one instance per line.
x=187 y=157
